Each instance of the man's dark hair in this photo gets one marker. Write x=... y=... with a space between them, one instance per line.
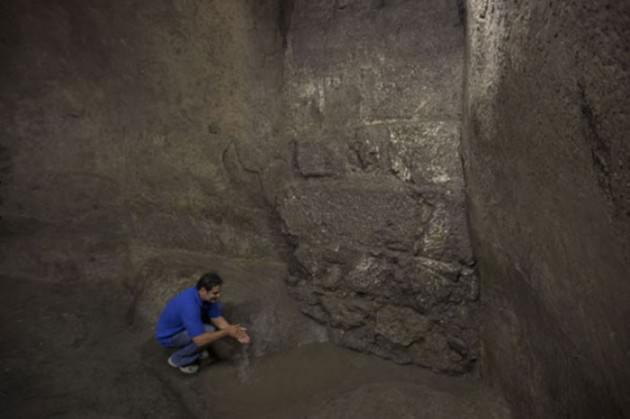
x=209 y=280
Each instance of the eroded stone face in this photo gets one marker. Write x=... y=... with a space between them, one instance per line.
x=355 y=213
x=360 y=267
x=375 y=208
x=401 y=325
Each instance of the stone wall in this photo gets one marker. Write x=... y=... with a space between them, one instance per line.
x=126 y=123
x=134 y=134
x=149 y=141
x=548 y=176
x=374 y=208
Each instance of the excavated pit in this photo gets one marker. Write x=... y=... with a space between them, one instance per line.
x=420 y=208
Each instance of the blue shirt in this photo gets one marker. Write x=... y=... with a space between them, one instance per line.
x=186 y=312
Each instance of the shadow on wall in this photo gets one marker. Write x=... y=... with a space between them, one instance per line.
x=548 y=186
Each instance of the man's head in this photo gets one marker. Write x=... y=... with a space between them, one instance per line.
x=209 y=287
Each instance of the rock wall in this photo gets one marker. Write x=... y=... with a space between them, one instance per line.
x=548 y=176
x=133 y=136
x=375 y=207
x=126 y=124
x=148 y=142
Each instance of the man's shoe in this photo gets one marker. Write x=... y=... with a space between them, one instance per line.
x=190 y=369
x=186 y=369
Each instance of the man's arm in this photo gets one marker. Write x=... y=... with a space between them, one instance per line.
x=222 y=324
x=232 y=330
x=194 y=327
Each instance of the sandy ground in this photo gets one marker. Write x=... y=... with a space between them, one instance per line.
x=68 y=352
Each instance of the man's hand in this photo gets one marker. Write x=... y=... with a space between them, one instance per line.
x=244 y=337
x=239 y=333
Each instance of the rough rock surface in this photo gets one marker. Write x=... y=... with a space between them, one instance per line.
x=69 y=353
x=547 y=160
x=135 y=137
x=126 y=128
x=149 y=141
x=408 y=400
x=375 y=208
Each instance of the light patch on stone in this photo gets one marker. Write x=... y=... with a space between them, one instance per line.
x=441 y=178
x=388 y=121
x=321 y=97
x=332 y=81
x=437 y=232
x=402 y=172
x=397 y=164
x=450 y=269
x=307 y=90
x=421 y=106
x=401 y=325
x=365 y=264
x=314 y=90
x=490 y=28
x=424 y=152
x=367 y=275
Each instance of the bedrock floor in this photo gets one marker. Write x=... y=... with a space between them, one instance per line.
x=69 y=353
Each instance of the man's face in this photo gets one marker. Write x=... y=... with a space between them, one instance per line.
x=211 y=296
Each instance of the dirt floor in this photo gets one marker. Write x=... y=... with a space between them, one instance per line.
x=69 y=352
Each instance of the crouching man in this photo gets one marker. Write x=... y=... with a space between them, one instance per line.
x=183 y=324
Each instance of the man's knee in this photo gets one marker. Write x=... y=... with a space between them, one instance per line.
x=224 y=349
